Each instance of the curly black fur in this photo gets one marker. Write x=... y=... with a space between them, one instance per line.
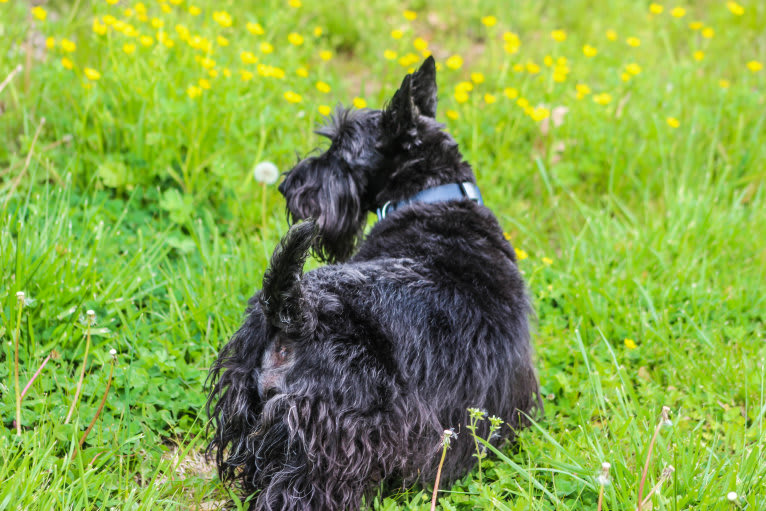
x=346 y=376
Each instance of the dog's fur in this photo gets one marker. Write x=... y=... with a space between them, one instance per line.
x=346 y=376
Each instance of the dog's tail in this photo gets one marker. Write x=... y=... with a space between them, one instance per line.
x=281 y=292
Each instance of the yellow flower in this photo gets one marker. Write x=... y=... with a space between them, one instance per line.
x=512 y=42
x=724 y=84
x=699 y=55
x=511 y=93
x=68 y=46
x=277 y=72
x=655 y=8
x=193 y=91
x=673 y=122
x=194 y=10
x=559 y=36
x=295 y=38
x=293 y=97
x=127 y=12
x=323 y=87
x=633 y=68
x=295 y=4
x=50 y=42
x=477 y=78
x=66 y=63
x=410 y=15
x=454 y=62
x=708 y=32
x=129 y=48
x=611 y=35
x=130 y=31
x=453 y=115
x=109 y=20
x=324 y=110
x=464 y=86
x=582 y=90
x=140 y=8
x=207 y=63
x=223 y=18
x=182 y=32
x=735 y=8
x=226 y=72
x=157 y=23
x=255 y=28
x=91 y=74
x=625 y=77
x=489 y=21
x=389 y=55
x=325 y=54
x=754 y=66
x=302 y=72
x=205 y=84
x=489 y=98
x=520 y=254
x=630 y=344
x=98 y=27
x=559 y=76
x=397 y=34
x=39 y=13
x=359 y=102
x=166 y=9
x=518 y=68
x=602 y=99
x=420 y=44
x=112 y=2
x=248 y=57
x=146 y=40
x=547 y=260
x=176 y=2
x=222 y=41
x=537 y=115
x=589 y=51
x=317 y=31
x=213 y=73
x=245 y=75
x=548 y=61
x=461 y=96
x=633 y=41
x=266 y=47
x=532 y=68
x=696 y=25
x=522 y=102
x=678 y=12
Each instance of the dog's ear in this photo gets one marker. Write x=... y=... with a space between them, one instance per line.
x=281 y=293
x=424 y=88
x=341 y=217
x=400 y=114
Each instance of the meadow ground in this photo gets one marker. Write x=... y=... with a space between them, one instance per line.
x=621 y=144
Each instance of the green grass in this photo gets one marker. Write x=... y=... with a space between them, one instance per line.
x=138 y=202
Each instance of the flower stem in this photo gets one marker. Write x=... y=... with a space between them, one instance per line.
x=34 y=376
x=445 y=446
x=662 y=421
x=98 y=412
x=20 y=301
x=82 y=370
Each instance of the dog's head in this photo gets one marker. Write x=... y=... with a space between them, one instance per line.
x=340 y=186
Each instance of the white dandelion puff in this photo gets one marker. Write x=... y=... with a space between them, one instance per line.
x=266 y=172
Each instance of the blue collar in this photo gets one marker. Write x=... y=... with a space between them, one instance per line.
x=451 y=191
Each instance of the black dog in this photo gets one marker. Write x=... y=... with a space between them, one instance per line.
x=347 y=376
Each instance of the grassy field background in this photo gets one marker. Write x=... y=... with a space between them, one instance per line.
x=621 y=144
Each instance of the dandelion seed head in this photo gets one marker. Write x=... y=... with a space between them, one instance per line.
x=266 y=172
